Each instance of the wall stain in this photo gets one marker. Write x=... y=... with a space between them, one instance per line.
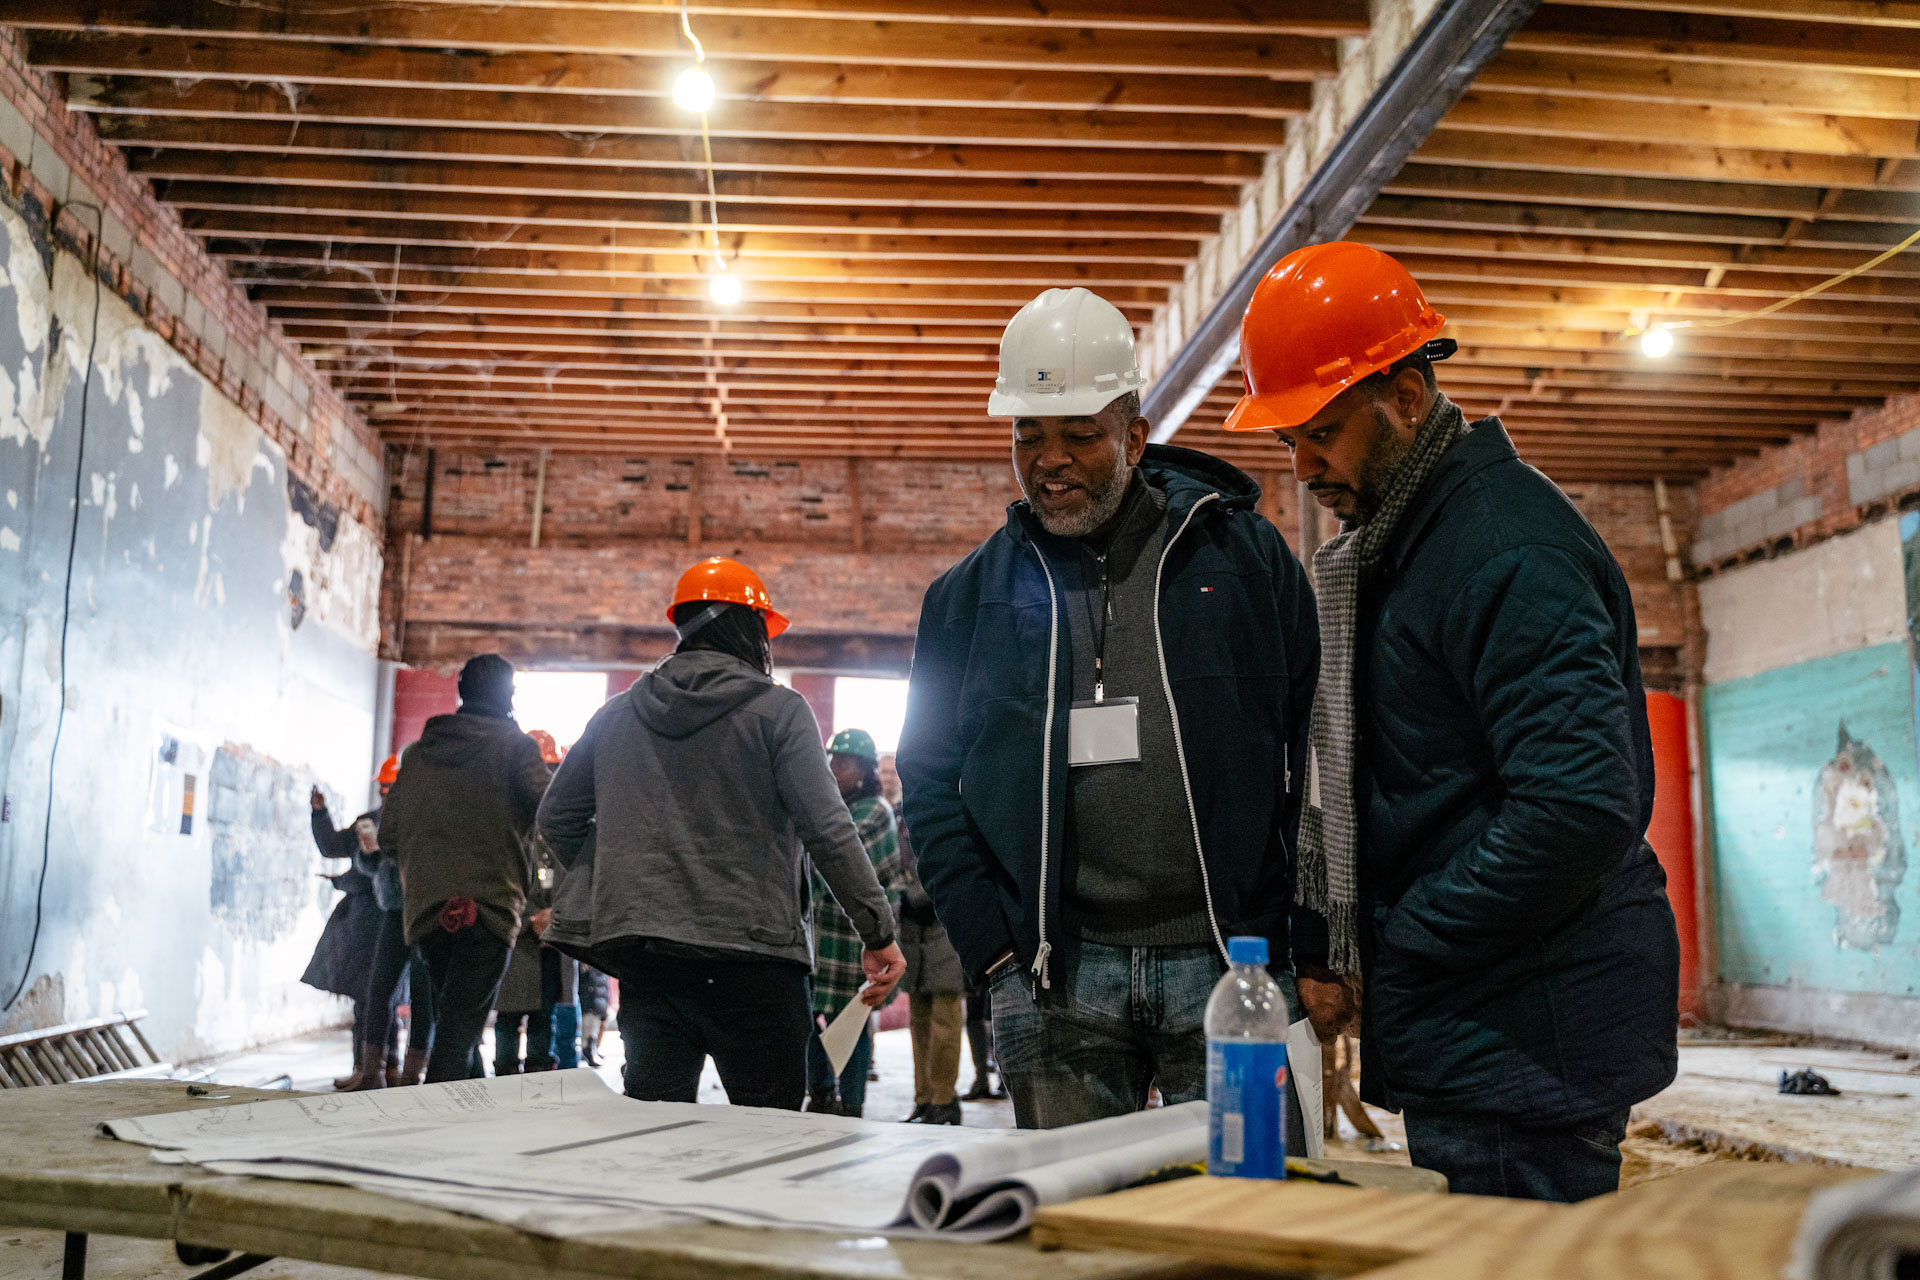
x=1859 y=856
x=257 y=814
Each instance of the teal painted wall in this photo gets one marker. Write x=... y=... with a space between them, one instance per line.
x=1769 y=738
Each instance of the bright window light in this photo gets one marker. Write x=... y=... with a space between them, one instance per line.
x=877 y=705
x=561 y=702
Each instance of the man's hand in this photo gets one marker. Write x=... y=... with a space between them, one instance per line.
x=884 y=969
x=1332 y=1002
x=539 y=921
x=318 y=801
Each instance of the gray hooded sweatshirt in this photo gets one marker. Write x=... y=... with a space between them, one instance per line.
x=705 y=790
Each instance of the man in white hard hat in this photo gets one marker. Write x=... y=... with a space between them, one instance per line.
x=1108 y=706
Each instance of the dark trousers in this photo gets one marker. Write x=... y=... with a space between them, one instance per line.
x=373 y=1030
x=466 y=967
x=540 y=1023
x=1488 y=1155
x=853 y=1080
x=393 y=958
x=750 y=1015
x=979 y=1031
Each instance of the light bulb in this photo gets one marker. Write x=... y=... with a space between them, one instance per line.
x=1656 y=342
x=725 y=288
x=693 y=91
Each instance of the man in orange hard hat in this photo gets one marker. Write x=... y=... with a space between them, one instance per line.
x=1481 y=776
x=685 y=816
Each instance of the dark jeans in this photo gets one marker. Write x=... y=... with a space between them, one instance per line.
x=506 y=1041
x=751 y=1015
x=392 y=957
x=1117 y=1020
x=853 y=1080
x=541 y=1024
x=466 y=967
x=372 y=1031
x=1487 y=1155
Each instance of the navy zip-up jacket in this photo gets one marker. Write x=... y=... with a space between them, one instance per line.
x=1522 y=957
x=983 y=757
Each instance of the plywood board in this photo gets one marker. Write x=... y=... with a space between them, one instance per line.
x=1730 y=1220
x=1311 y=1226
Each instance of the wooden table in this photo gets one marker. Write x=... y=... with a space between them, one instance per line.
x=59 y=1173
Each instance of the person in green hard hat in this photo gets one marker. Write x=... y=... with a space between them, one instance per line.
x=837 y=975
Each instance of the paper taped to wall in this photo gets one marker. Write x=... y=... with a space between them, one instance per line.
x=560 y=1154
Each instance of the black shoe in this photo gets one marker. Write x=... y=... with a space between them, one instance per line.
x=980 y=1091
x=919 y=1115
x=943 y=1113
x=852 y=1113
x=823 y=1103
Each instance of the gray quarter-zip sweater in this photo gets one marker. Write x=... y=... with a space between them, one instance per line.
x=1132 y=876
x=707 y=790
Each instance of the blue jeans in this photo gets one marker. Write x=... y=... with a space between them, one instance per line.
x=1484 y=1154
x=853 y=1080
x=1116 y=1020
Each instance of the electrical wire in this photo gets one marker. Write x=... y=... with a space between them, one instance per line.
x=706 y=147
x=66 y=604
x=1788 y=301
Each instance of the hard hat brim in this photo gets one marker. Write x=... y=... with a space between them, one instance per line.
x=1280 y=409
x=1069 y=404
x=776 y=623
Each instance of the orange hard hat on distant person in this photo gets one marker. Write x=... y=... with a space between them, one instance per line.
x=1325 y=317
x=389 y=771
x=728 y=582
x=549 y=749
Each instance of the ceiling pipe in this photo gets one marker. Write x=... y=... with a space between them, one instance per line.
x=1458 y=38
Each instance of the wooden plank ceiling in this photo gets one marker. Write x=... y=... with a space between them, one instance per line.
x=485 y=220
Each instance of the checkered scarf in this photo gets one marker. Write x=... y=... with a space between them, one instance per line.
x=1329 y=846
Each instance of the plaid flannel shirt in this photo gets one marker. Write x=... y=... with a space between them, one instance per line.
x=837 y=975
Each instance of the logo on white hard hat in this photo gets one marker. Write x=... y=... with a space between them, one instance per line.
x=1047 y=381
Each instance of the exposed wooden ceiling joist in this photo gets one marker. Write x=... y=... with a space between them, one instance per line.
x=488 y=221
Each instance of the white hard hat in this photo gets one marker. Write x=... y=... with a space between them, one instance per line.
x=1068 y=352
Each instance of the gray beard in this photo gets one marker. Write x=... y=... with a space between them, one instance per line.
x=1102 y=505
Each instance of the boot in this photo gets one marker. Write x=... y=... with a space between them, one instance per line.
x=392 y=1071
x=347 y=1083
x=823 y=1101
x=982 y=1088
x=919 y=1113
x=942 y=1113
x=414 y=1067
x=373 y=1068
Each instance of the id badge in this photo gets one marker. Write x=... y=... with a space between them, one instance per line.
x=1104 y=732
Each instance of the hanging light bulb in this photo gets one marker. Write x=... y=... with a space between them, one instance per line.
x=1656 y=342
x=693 y=91
x=725 y=288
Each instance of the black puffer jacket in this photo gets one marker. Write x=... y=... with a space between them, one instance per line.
x=985 y=798
x=1523 y=957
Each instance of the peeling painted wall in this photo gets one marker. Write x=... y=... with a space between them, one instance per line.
x=1814 y=769
x=181 y=876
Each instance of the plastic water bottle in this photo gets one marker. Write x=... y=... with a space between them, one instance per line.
x=1247 y=1068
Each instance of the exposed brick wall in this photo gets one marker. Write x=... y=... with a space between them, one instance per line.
x=53 y=163
x=614 y=537
x=1845 y=473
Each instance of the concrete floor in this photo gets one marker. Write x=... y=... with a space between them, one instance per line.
x=1725 y=1105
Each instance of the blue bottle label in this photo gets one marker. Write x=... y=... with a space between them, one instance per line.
x=1246 y=1097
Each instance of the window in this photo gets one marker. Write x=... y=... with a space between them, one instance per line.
x=877 y=705
x=561 y=702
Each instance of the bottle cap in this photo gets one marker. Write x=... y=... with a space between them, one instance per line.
x=1245 y=950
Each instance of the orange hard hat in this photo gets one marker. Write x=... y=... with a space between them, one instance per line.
x=549 y=749
x=728 y=582
x=389 y=771
x=1325 y=317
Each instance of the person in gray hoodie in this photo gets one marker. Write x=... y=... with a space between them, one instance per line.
x=685 y=817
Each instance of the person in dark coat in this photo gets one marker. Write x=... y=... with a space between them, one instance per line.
x=934 y=984
x=1481 y=729
x=1139 y=606
x=344 y=956
x=457 y=822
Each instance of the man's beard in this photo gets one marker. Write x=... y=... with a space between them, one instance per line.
x=1103 y=504
x=1386 y=453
